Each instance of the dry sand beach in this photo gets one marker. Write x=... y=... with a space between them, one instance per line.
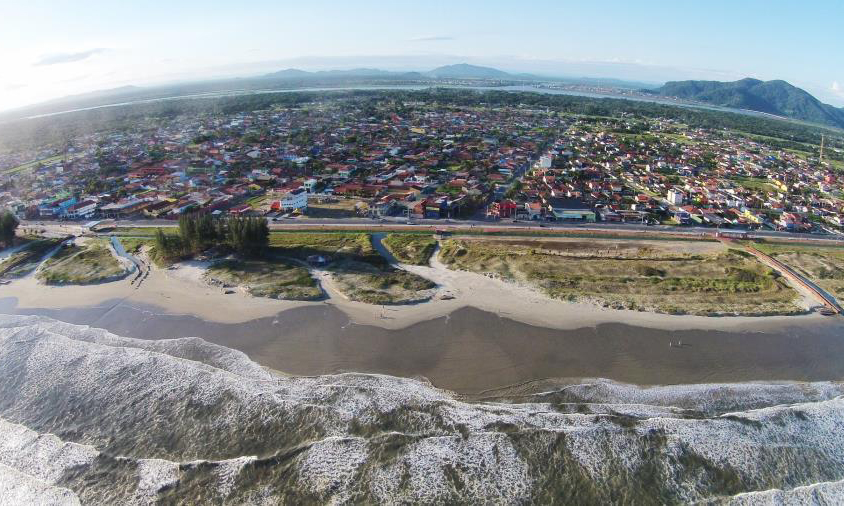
x=182 y=291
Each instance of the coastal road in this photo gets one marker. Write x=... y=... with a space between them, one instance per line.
x=466 y=225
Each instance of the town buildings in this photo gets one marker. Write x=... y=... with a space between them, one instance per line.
x=422 y=160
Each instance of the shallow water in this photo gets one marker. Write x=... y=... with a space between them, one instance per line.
x=185 y=421
x=470 y=350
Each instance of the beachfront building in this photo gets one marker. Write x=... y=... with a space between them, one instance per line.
x=292 y=200
x=82 y=209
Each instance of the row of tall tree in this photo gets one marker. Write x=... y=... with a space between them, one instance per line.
x=8 y=225
x=247 y=236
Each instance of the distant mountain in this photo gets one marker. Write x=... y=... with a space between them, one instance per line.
x=289 y=73
x=466 y=71
x=458 y=71
x=97 y=95
x=772 y=97
x=332 y=74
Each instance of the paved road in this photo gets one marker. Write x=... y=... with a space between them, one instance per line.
x=457 y=225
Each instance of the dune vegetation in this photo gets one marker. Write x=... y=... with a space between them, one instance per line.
x=27 y=258
x=262 y=278
x=823 y=265
x=414 y=249
x=358 y=271
x=701 y=279
x=89 y=263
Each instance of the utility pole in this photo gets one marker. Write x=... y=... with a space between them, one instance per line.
x=821 y=157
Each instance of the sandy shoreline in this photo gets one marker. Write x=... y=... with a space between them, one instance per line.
x=491 y=334
x=182 y=292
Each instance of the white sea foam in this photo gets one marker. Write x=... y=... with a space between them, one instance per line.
x=809 y=495
x=153 y=475
x=43 y=456
x=330 y=466
x=20 y=488
x=227 y=474
x=362 y=437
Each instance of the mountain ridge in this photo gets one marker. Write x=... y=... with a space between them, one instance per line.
x=455 y=71
x=467 y=71
x=775 y=97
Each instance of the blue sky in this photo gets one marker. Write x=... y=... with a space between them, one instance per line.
x=56 y=48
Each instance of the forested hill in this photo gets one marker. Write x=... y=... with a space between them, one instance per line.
x=773 y=97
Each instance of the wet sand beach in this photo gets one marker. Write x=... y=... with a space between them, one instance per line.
x=486 y=334
x=470 y=350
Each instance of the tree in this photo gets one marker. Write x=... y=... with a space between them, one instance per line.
x=514 y=190
x=168 y=246
x=248 y=236
x=8 y=225
x=198 y=232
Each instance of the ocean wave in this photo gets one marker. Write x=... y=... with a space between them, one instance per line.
x=89 y=414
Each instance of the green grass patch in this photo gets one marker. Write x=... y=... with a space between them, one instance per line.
x=275 y=279
x=82 y=265
x=415 y=249
x=357 y=269
x=142 y=231
x=824 y=265
x=363 y=282
x=133 y=245
x=31 y=165
x=27 y=258
x=631 y=275
x=754 y=184
x=336 y=246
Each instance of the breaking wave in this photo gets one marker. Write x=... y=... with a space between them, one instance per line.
x=90 y=417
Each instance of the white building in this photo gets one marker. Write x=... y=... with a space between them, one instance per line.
x=309 y=185
x=295 y=199
x=545 y=161
x=676 y=197
x=81 y=210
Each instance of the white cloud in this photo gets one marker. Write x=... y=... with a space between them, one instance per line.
x=435 y=38
x=56 y=58
x=837 y=91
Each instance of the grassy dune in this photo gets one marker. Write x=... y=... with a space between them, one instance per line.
x=363 y=282
x=823 y=265
x=358 y=270
x=334 y=245
x=27 y=259
x=415 y=249
x=81 y=265
x=627 y=274
x=273 y=279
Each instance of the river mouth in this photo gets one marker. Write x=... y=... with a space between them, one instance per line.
x=474 y=352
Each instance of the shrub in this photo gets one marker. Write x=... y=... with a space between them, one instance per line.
x=743 y=275
x=647 y=270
